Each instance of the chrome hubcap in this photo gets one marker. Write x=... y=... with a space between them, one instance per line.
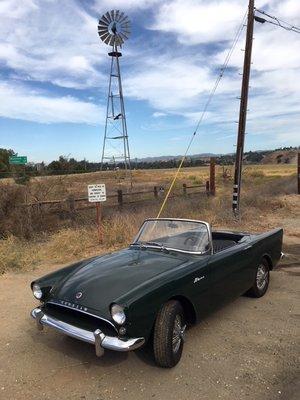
x=178 y=333
x=262 y=277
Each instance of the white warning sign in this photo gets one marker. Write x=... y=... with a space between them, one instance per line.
x=97 y=193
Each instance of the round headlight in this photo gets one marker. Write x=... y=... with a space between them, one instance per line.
x=117 y=313
x=37 y=291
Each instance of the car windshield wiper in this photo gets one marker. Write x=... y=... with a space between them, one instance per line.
x=141 y=245
x=144 y=245
x=154 y=244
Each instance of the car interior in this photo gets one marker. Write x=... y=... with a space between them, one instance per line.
x=198 y=240
x=224 y=240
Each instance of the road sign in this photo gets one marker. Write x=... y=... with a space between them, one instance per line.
x=97 y=193
x=18 y=160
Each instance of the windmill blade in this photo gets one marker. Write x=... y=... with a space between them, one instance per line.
x=108 y=16
x=114 y=28
x=104 y=20
x=105 y=36
x=124 y=23
x=124 y=36
x=107 y=40
x=121 y=15
x=119 y=40
x=112 y=40
x=126 y=32
x=123 y=19
x=102 y=33
x=102 y=30
x=127 y=26
x=103 y=24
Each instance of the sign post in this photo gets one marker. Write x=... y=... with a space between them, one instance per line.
x=97 y=194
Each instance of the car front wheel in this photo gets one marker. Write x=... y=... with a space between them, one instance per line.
x=169 y=334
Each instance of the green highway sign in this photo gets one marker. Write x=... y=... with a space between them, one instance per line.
x=19 y=160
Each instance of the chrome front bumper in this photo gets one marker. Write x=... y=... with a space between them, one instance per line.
x=97 y=338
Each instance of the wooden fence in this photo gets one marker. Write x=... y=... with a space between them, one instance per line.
x=72 y=204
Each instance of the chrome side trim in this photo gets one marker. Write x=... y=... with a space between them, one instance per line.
x=98 y=338
x=57 y=303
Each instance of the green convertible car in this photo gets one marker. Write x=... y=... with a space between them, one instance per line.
x=174 y=272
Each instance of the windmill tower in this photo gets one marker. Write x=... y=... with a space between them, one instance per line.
x=114 y=29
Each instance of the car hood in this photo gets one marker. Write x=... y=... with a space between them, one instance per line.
x=106 y=278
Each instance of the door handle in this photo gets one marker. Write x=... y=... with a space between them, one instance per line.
x=248 y=247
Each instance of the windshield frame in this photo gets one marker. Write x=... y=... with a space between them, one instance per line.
x=209 y=251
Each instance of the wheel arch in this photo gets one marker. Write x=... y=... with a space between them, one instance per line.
x=188 y=308
x=268 y=258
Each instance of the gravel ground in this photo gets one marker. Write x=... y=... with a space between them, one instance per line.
x=247 y=350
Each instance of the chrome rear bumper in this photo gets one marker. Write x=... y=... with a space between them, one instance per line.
x=97 y=338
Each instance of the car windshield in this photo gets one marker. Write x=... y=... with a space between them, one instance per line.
x=182 y=235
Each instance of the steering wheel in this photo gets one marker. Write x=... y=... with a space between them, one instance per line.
x=191 y=240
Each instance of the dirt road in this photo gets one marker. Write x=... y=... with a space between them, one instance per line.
x=247 y=350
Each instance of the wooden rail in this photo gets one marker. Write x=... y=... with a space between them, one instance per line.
x=156 y=191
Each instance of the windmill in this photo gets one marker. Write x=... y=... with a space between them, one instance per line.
x=114 y=30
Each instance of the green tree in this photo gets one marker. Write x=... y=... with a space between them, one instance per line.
x=4 y=159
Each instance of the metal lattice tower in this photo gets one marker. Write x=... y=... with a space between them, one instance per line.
x=114 y=29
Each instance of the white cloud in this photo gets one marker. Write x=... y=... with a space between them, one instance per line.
x=158 y=114
x=167 y=83
x=57 y=42
x=107 y=5
x=51 y=41
x=23 y=103
x=194 y=21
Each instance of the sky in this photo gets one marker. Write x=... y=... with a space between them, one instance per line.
x=54 y=77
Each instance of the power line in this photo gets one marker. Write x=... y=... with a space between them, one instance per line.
x=214 y=88
x=282 y=24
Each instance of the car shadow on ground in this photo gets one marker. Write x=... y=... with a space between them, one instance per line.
x=75 y=349
x=83 y=352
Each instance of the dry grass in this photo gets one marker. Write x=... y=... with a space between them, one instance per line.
x=268 y=202
x=59 y=187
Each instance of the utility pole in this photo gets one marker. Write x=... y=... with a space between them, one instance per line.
x=243 y=113
x=298 y=171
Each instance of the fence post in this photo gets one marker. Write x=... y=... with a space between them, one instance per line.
x=155 y=191
x=71 y=203
x=212 y=176
x=207 y=187
x=120 y=197
x=184 y=189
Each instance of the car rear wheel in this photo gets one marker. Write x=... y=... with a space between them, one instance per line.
x=169 y=334
x=262 y=278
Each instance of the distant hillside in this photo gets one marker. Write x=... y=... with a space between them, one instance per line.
x=286 y=155
x=65 y=165
x=280 y=157
x=178 y=157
